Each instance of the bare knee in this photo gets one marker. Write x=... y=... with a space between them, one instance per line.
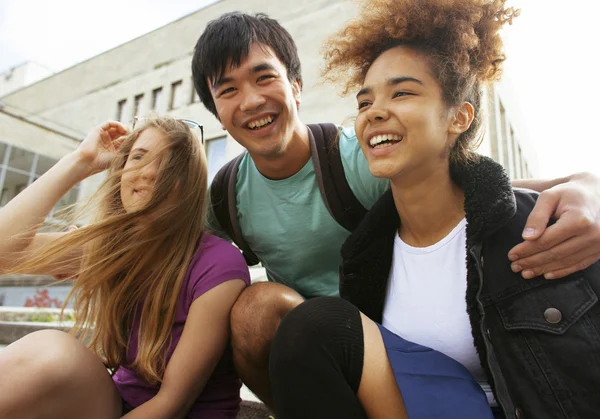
x=267 y=299
x=36 y=369
x=51 y=374
x=256 y=316
x=51 y=355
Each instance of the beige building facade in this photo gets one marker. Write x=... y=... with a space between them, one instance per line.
x=152 y=74
x=505 y=138
x=22 y=75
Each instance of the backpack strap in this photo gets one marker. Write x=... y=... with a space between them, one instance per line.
x=224 y=206
x=339 y=199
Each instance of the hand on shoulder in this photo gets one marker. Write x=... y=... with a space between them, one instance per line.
x=573 y=242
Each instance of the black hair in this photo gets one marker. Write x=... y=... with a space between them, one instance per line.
x=226 y=43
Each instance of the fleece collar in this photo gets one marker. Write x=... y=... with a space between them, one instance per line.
x=489 y=204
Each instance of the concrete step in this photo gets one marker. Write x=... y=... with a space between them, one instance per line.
x=257 y=274
x=253 y=410
x=12 y=331
x=34 y=314
x=44 y=291
x=16 y=322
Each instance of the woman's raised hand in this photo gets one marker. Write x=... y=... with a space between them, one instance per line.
x=100 y=146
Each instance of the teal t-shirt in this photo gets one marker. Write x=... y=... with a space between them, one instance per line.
x=286 y=224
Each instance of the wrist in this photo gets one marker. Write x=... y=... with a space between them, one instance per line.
x=585 y=177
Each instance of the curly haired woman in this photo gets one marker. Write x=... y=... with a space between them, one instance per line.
x=156 y=288
x=435 y=335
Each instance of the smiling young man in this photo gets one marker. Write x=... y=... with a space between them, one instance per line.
x=247 y=73
x=258 y=105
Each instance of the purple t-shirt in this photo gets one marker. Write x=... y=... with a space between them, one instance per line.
x=216 y=261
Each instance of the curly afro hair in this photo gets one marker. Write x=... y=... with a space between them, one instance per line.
x=460 y=39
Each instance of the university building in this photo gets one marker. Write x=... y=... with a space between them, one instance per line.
x=42 y=121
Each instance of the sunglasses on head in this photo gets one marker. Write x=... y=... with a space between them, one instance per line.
x=188 y=122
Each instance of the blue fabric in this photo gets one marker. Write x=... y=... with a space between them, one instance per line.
x=432 y=384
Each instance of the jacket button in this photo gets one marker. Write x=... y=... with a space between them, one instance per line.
x=488 y=334
x=553 y=315
x=519 y=414
x=482 y=261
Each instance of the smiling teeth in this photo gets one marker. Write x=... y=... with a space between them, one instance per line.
x=378 y=139
x=260 y=123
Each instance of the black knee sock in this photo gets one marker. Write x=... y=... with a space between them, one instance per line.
x=316 y=361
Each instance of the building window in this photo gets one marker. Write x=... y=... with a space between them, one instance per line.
x=14 y=183
x=176 y=95
x=515 y=153
x=216 y=156
x=506 y=141
x=121 y=110
x=157 y=95
x=522 y=163
x=195 y=98
x=20 y=160
x=138 y=102
x=19 y=167
x=490 y=98
x=43 y=165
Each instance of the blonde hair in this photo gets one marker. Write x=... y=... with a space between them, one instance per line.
x=135 y=263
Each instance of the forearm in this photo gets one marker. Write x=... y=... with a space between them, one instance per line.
x=20 y=218
x=540 y=185
x=197 y=353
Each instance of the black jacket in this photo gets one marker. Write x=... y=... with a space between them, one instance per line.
x=538 y=340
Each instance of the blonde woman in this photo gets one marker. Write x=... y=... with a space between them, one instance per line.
x=152 y=294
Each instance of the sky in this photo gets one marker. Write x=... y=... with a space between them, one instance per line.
x=552 y=64
x=552 y=51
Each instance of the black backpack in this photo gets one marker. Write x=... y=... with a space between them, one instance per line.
x=339 y=199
